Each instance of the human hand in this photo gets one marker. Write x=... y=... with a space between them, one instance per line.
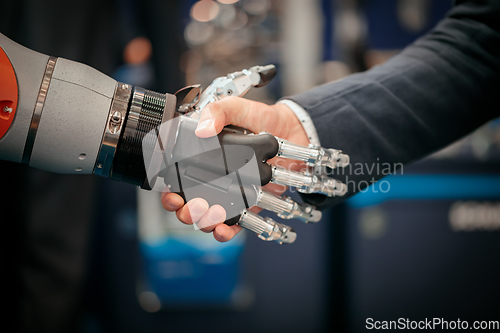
x=257 y=117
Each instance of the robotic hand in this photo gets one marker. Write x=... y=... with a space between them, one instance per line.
x=65 y=117
x=241 y=160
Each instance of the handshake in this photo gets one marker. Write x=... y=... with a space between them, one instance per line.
x=211 y=160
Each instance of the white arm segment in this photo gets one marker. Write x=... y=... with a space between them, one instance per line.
x=59 y=128
x=73 y=119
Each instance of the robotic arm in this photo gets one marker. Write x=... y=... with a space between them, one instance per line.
x=66 y=117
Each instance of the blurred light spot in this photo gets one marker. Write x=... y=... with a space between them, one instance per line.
x=349 y=27
x=228 y=45
x=243 y=298
x=228 y=2
x=191 y=61
x=211 y=259
x=480 y=144
x=197 y=33
x=126 y=224
x=378 y=57
x=226 y=15
x=137 y=51
x=204 y=10
x=257 y=7
x=373 y=223
x=262 y=37
x=475 y=216
x=176 y=269
x=413 y=14
x=258 y=19
x=334 y=70
x=238 y=21
x=149 y=301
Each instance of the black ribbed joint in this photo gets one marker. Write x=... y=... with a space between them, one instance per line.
x=144 y=115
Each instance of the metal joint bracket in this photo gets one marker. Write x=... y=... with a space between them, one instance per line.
x=114 y=127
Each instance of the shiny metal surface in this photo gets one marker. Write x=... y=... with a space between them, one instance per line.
x=233 y=84
x=113 y=130
x=287 y=208
x=135 y=111
x=267 y=229
x=187 y=98
x=37 y=113
x=313 y=156
x=145 y=114
x=308 y=183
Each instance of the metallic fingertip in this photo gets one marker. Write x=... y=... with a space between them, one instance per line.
x=289 y=237
x=340 y=189
x=316 y=216
x=343 y=160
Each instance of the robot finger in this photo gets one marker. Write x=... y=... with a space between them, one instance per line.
x=313 y=156
x=266 y=228
x=286 y=207
x=307 y=182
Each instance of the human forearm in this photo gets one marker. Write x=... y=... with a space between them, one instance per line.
x=435 y=91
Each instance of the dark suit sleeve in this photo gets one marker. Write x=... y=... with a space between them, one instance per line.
x=435 y=91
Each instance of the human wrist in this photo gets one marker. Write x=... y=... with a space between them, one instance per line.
x=293 y=129
x=304 y=120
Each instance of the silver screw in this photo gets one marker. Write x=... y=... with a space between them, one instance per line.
x=116 y=117
x=7 y=109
